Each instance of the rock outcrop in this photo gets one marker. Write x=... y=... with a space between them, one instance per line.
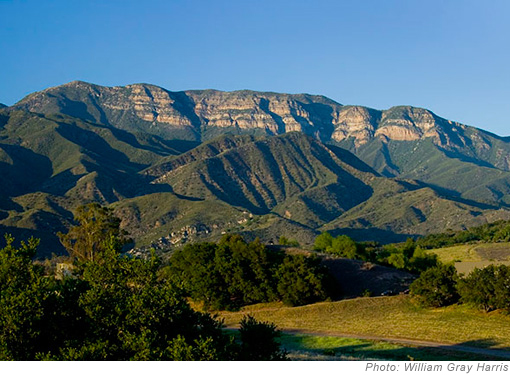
x=155 y=108
x=201 y=115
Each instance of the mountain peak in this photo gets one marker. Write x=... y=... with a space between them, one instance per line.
x=198 y=115
x=77 y=83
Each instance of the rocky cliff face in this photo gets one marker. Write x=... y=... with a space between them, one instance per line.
x=270 y=113
x=204 y=114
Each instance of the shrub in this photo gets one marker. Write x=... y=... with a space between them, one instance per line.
x=343 y=246
x=284 y=241
x=259 y=341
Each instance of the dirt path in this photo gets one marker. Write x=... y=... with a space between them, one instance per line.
x=417 y=343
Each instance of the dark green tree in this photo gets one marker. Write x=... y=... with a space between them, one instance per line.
x=487 y=288
x=302 y=280
x=436 y=287
x=409 y=248
x=23 y=291
x=234 y=273
x=111 y=308
x=343 y=246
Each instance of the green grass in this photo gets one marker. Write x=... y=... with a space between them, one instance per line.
x=311 y=347
x=389 y=317
x=467 y=257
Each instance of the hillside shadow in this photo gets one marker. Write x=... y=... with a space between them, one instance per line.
x=157 y=144
x=229 y=189
x=264 y=106
x=467 y=159
x=456 y=197
x=372 y=234
x=322 y=115
x=80 y=110
x=95 y=146
x=6 y=203
x=27 y=171
x=48 y=245
x=351 y=159
x=61 y=183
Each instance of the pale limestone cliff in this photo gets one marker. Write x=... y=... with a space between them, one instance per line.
x=248 y=110
x=357 y=122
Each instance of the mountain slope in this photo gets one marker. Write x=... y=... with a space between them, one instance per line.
x=397 y=207
x=382 y=139
x=319 y=187
x=182 y=166
x=263 y=174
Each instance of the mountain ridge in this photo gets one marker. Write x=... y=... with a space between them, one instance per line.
x=152 y=95
x=190 y=165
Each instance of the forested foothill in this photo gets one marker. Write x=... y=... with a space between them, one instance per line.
x=498 y=231
x=438 y=284
x=408 y=256
x=103 y=305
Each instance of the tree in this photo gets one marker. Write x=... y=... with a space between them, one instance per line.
x=397 y=260
x=22 y=294
x=421 y=261
x=234 y=273
x=437 y=286
x=302 y=280
x=323 y=241
x=96 y=229
x=409 y=248
x=284 y=241
x=343 y=246
x=487 y=288
x=113 y=308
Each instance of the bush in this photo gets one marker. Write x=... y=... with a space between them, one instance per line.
x=113 y=308
x=284 y=241
x=436 y=287
x=259 y=341
x=23 y=296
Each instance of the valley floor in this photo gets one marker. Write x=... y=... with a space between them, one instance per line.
x=467 y=257
x=396 y=319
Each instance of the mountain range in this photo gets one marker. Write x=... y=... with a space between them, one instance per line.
x=183 y=166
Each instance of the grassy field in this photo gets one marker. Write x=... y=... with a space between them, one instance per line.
x=470 y=256
x=390 y=317
x=324 y=348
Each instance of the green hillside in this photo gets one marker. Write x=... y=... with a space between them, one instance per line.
x=403 y=141
x=261 y=174
x=449 y=171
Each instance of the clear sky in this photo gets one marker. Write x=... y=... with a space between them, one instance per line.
x=452 y=57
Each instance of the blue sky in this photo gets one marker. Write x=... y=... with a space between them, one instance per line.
x=452 y=57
